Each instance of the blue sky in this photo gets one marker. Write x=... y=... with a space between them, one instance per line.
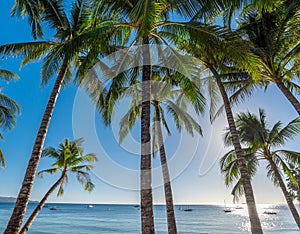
x=193 y=161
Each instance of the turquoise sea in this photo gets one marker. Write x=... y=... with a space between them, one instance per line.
x=78 y=219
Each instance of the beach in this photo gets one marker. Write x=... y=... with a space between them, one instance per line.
x=77 y=218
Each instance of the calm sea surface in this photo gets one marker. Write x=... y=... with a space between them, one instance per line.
x=78 y=219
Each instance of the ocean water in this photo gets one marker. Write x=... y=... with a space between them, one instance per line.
x=78 y=219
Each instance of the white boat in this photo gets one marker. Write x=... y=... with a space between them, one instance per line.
x=89 y=206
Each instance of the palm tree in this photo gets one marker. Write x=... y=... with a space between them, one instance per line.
x=68 y=158
x=260 y=139
x=142 y=23
x=8 y=109
x=164 y=96
x=273 y=37
x=58 y=57
x=225 y=58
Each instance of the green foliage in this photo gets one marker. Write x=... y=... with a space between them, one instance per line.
x=69 y=158
x=261 y=141
x=271 y=34
x=9 y=109
x=165 y=98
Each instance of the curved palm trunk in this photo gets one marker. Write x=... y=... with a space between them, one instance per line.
x=17 y=216
x=286 y=194
x=288 y=94
x=172 y=229
x=250 y=200
x=147 y=217
x=37 y=210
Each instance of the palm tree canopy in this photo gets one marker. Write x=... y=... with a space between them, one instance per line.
x=9 y=109
x=69 y=39
x=276 y=40
x=262 y=141
x=164 y=98
x=69 y=158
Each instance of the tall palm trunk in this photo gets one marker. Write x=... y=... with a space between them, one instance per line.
x=37 y=210
x=17 y=216
x=250 y=200
x=288 y=94
x=147 y=217
x=286 y=194
x=172 y=229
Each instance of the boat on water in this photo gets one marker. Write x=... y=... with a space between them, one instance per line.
x=53 y=208
x=270 y=212
x=89 y=206
x=239 y=207
x=227 y=210
x=188 y=209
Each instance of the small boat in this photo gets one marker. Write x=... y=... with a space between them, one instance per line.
x=136 y=206
x=270 y=212
x=188 y=209
x=239 y=207
x=227 y=210
x=53 y=208
x=89 y=206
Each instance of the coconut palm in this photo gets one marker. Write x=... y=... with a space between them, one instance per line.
x=58 y=56
x=265 y=142
x=164 y=96
x=142 y=23
x=69 y=159
x=273 y=37
x=8 y=109
x=228 y=59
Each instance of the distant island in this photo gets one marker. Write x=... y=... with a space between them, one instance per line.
x=11 y=200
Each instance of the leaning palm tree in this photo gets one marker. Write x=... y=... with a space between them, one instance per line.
x=69 y=159
x=8 y=109
x=264 y=142
x=225 y=59
x=164 y=96
x=58 y=55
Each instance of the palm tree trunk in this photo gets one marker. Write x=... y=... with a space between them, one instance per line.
x=288 y=94
x=172 y=229
x=250 y=200
x=147 y=217
x=17 y=216
x=37 y=210
x=286 y=194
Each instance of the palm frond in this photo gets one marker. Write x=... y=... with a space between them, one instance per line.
x=8 y=75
